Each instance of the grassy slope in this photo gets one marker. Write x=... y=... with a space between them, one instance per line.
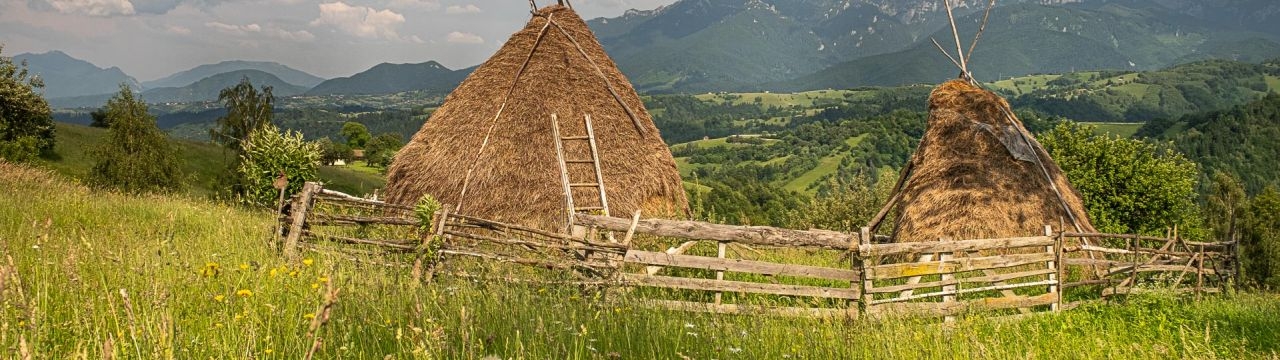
x=1124 y=130
x=77 y=250
x=201 y=162
x=826 y=166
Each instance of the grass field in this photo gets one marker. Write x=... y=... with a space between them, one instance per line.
x=1124 y=130
x=201 y=162
x=826 y=166
x=802 y=99
x=93 y=274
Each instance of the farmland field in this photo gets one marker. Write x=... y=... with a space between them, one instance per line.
x=98 y=274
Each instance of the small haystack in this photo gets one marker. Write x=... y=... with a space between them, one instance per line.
x=489 y=148
x=979 y=174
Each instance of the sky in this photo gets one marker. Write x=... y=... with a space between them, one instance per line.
x=150 y=39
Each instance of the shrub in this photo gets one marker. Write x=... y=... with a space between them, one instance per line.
x=26 y=121
x=267 y=154
x=137 y=156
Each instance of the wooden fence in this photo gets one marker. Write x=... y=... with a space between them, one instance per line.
x=697 y=266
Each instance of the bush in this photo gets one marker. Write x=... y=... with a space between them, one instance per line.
x=137 y=156
x=26 y=121
x=267 y=153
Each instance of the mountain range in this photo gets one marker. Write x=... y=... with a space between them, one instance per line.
x=790 y=45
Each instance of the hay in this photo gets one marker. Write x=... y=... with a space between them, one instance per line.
x=516 y=178
x=975 y=176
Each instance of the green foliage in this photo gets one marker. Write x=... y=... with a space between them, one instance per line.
x=26 y=122
x=356 y=133
x=380 y=150
x=269 y=153
x=425 y=210
x=846 y=204
x=331 y=152
x=247 y=111
x=1224 y=205
x=1240 y=141
x=1128 y=186
x=99 y=118
x=1260 y=240
x=137 y=156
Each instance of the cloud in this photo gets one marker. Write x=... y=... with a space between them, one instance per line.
x=414 y=4
x=464 y=38
x=180 y=30
x=87 y=7
x=360 y=21
x=270 y=31
x=462 y=9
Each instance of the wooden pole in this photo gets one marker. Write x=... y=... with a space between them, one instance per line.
x=1054 y=265
x=860 y=265
x=720 y=273
x=948 y=288
x=564 y=174
x=1200 y=272
x=298 y=212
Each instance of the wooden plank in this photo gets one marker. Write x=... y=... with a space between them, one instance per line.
x=365 y=220
x=1091 y=262
x=892 y=271
x=298 y=212
x=952 y=291
x=564 y=173
x=1101 y=249
x=1156 y=268
x=944 y=309
x=952 y=246
x=507 y=228
x=751 y=235
x=737 y=309
x=338 y=197
x=515 y=241
x=976 y=279
x=404 y=245
x=737 y=286
x=738 y=265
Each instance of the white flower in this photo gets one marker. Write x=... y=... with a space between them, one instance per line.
x=735 y=350
x=688 y=325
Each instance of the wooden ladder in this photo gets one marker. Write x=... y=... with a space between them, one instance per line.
x=569 y=185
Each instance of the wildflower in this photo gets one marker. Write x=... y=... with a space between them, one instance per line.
x=274 y=272
x=309 y=316
x=268 y=351
x=244 y=266
x=239 y=317
x=219 y=298
x=315 y=286
x=244 y=293
x=308 y=261
x=688 y=325
x=293 y=273
x=323 y=279
x=210 y=270
x=217 y=325
x=735 y=350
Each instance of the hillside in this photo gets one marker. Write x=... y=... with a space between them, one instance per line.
x=201 y=162
x=188 y=77
x=1028 y=39
x=388 y=78
x=1241 y=140
x=65 y=76
x=207 y=89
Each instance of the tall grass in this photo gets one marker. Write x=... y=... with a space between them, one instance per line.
x=111 y=275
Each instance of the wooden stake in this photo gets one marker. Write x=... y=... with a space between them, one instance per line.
x=301 y=205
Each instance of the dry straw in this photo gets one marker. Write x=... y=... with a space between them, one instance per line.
x=493 y=137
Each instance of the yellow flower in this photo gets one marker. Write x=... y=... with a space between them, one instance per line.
x=244 y=293
x=308 y=262
x=219 y=298
x=324 y=279
x=274 y=272
x=217 y=325
x=293 y=273
x=309 y=316
x=315 y=286
x=239 y=317
x=244 y=266
x=209 y=270
x=268 y=351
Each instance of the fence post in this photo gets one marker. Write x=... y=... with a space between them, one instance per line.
x=1055 y=266
x=1200 y=271
x=860 y=267
x=298 y=213
x=720 y=273
x=943 y=257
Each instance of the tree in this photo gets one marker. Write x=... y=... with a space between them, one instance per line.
x=1128 y=185
x=137 y=156
x=99 y=117
x=357 y=135
x=1260 y=240
x=267 y=154
x=382 y=149
x=247 y=110
x=331 y=152
x=1224 y=205
x=26 y=121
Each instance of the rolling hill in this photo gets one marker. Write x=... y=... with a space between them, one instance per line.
x=65 y=76
x=188 y=77
x=207 y=89
x=388 y=78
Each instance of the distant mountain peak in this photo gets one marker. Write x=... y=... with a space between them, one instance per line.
x=190 y=76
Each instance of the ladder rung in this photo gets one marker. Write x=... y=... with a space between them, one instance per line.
x=575 y=138
x=584 y=184
x=588 y=208
x=579 y=161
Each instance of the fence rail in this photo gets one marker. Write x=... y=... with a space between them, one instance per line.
x=860 y=276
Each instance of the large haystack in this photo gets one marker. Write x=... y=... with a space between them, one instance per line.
x=978 y=173
x=494 y=134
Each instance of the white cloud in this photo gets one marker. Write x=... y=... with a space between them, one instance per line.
x=180 y=30
x=462 y=9
x=360 y=21
x=464 y=38
x=255 y=29
x=414 y=4
x=92 y=7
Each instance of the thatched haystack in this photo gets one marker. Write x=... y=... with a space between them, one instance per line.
x=978 y=173
x=493 y=134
